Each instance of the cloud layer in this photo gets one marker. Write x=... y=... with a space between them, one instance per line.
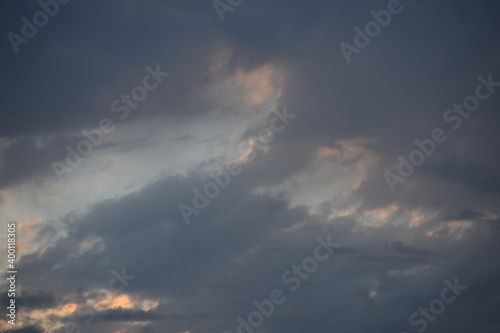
x=106 y=248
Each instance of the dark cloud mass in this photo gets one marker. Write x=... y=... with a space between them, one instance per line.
x=250 y=166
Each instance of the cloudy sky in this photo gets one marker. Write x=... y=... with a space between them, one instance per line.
x=192 y=166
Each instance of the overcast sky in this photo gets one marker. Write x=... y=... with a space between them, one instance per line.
x=191 y=166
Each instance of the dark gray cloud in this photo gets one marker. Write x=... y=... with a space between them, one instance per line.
x=27 y=329
x=33 y=299
x=128 y=315
x=322 y=175
x=222 y=263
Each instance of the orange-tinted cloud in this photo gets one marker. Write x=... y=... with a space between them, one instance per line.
x=351 y=153
x=259 y=85
x=26 y=234
x=49 y=319
x=454 y=229
x=220 y=59
x=26 y=227
x=382 y=213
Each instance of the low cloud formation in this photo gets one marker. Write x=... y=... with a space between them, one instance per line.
x=267 y=125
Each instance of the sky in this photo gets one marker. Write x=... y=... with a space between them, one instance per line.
x=250 y=166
